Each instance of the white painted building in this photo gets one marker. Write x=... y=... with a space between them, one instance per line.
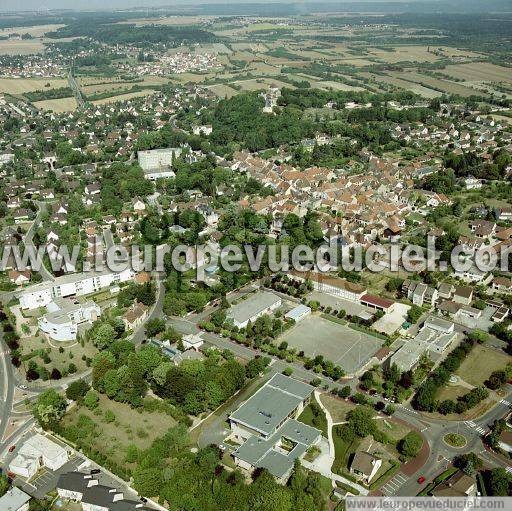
x=38 y=451
x=157 y=163
x=79 y=284
x=64 y=316
x=253 y=307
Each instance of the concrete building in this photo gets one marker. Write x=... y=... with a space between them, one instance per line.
x=38 y=451
x=332 y=285
x=435 y=337
x=253 y=307
x=77 y=284
x=157 y=163
x=266 y=425
x=65 y=316
x=268 y=408
x=298 y=313
x=15 y=500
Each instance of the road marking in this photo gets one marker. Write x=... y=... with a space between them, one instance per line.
x=394 y=484
x=506 y=403
x=472 y=425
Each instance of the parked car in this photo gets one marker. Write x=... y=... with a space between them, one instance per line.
x=11 y=449
x=421 y=480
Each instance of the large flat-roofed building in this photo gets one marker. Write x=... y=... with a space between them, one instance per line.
x=64 y=317
x=435 y=337
x=266 y=424
x=15 y=500
x=38 y=451
x=252 y=308
x=278 y=453
x=40 y=295
x=332 y=285
x=157 y=163
x=265 y=411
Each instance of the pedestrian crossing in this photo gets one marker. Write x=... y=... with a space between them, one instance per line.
x=394 y=484
x=479 y=429
x=509 y=470
x=506 y=403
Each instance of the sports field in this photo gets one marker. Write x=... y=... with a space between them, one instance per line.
x=339 y=343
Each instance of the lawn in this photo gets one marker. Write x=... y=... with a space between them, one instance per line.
x=480 y=363
x=319 y=421
x=342 y=450
x=393 y=429
x=337 y=407
x=61 y=354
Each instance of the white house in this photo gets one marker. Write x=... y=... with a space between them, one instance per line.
x=192 y=341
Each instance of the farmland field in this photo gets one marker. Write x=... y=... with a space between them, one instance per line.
x=222 y=90
x=436 y=83
x=480 y=72
x=403 y=84
x=25 y=47
x=57 y=105
x=123 y=97
x=338 y=86
x=21 y=85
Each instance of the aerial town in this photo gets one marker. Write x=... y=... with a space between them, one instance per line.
x=254 y=258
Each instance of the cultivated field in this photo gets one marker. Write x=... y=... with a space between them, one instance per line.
x=22 y=47
x=479 y=72
x=123 y=97
x=21 y=85
x=222 y=90
x=344 y=346
x=57 y=105
x=436 y=83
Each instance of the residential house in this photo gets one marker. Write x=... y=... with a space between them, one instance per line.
x=364 y=466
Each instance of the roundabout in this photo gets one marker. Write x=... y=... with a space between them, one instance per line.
x=455 y=440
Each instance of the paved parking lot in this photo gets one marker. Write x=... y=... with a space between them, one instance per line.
x=394 y=484
x=344 y=346
x=46 y=480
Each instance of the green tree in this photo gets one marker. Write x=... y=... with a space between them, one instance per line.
x=49 y=408
x=360 y=421
x=411 y=444
x=77 y=390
